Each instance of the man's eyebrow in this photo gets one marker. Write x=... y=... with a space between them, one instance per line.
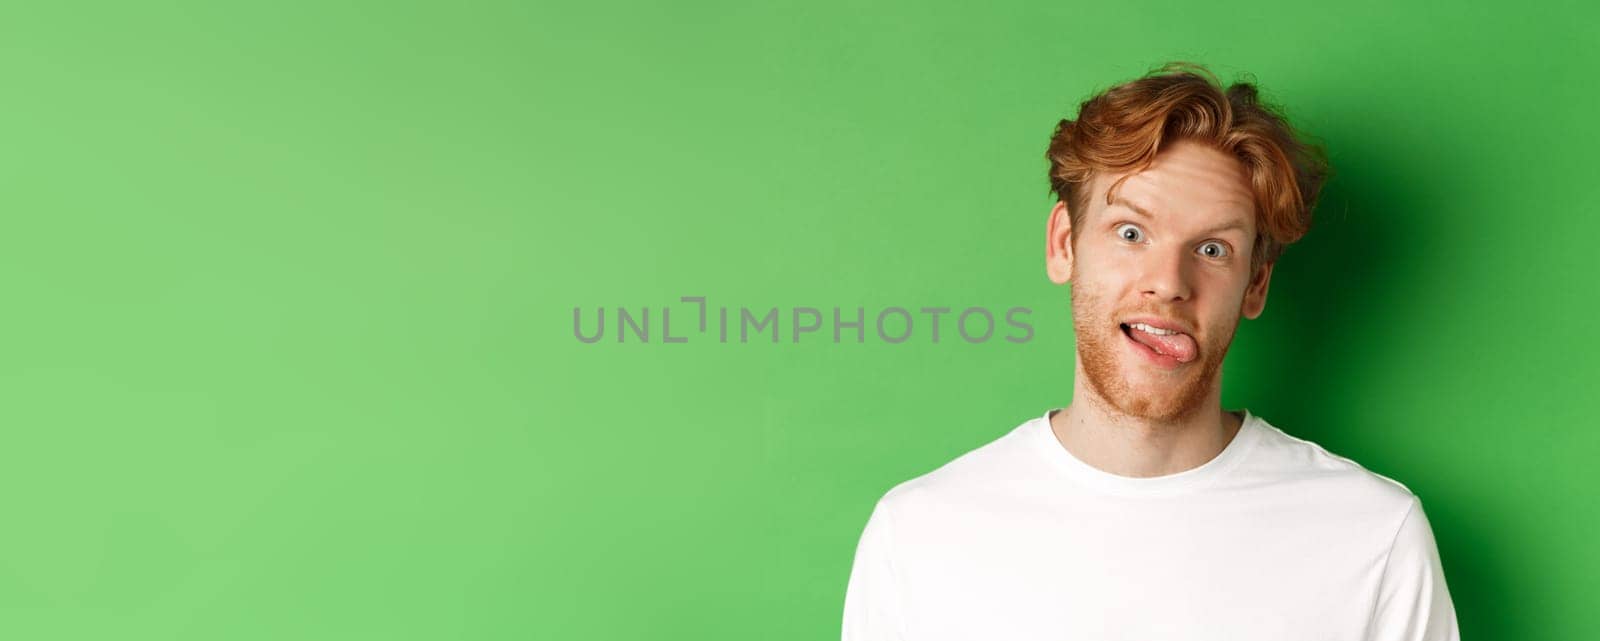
x=1236 y=224
x=1129 y=204
x=1233 y=224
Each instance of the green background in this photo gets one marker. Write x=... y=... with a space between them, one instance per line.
x=287 y=345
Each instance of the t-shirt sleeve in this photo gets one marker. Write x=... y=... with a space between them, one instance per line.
x=1413 y=600
x=873 y=599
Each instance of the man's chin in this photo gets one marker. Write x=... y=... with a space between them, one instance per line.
x=1149 y=396
x=1153 y=402
x=1155 y=393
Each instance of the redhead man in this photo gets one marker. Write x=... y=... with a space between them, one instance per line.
x=1143 y=510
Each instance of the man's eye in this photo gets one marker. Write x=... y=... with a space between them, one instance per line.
x=1214 y=250
x=1130 y=232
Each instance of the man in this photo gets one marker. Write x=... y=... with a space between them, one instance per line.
x=1143 y=510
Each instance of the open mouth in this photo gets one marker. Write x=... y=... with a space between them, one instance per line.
x=1165 y=348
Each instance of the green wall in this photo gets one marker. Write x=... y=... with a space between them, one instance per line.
x=288 y=343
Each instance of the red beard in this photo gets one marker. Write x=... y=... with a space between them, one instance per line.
x=1102 y=352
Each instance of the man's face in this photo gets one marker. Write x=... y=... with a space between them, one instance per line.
x=1172 y=250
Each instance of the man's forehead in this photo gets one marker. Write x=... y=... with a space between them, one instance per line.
x=1212 y=195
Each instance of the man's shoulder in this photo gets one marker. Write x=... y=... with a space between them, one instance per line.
x=1293 y=462
x=1001 y=463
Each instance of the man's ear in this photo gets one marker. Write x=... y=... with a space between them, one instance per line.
x=1058 y=244
x=1255 y=295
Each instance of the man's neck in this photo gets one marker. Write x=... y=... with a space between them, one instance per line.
x=1128 y=446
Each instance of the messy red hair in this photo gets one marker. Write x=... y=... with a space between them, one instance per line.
x=1123 y=128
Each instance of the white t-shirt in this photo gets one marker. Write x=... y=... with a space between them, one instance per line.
x=1273 y=539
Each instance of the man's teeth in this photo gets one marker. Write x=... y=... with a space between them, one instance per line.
x=1153 y=330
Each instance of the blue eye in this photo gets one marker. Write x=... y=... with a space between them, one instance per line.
x=1220 y=252
x=1130 y=232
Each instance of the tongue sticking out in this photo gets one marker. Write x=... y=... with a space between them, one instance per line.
x=1179 y=346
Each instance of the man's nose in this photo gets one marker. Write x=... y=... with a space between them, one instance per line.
x=1166 y=276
